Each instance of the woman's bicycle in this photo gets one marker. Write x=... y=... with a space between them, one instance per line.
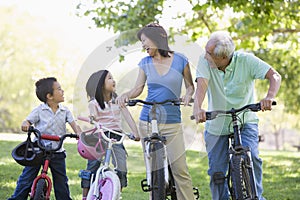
x=240 y=177
x=106 y=184
x=159 y=178
x=32 y=154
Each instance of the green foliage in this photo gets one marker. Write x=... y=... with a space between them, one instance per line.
x=268 y=28
x=281 y=173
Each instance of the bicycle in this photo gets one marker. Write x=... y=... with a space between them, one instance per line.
x=240 y=176
x=34 y=154
x=106 y=185
x=159 y=178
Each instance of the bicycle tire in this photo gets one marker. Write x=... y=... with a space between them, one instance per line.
x=241 y=181
x=108 y=188
x=158 y=172
x=41 y=190
x=171 y=189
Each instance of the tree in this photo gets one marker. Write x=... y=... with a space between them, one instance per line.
x=25 y=57
x=268 y=28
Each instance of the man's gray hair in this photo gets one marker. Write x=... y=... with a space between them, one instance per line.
x=224 y=44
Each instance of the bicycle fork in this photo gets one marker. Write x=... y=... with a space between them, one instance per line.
x=159 y=142
x=43 y=175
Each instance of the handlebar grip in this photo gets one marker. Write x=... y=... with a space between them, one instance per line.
x=50 y=137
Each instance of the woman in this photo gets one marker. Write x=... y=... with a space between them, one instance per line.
x=164 y=71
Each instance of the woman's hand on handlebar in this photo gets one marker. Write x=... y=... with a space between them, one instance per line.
x=122 y=99
x=186 y=99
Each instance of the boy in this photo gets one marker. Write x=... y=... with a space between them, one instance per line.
x=50 y=117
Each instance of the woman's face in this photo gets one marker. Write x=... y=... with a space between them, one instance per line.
x=148 y=45
x=109 y=83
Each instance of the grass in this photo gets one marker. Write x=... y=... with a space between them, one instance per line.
x=281 y=173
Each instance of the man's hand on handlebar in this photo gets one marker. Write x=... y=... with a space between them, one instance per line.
x=266 y=104
x=199 y=115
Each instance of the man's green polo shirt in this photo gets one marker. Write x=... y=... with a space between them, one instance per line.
x=232 y=89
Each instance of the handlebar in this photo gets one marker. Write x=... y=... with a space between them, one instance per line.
x=56 y=138
x=175 y=102
x=213 y=114
x=101 y=128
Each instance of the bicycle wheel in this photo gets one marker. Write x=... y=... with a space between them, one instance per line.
x=108 y=188
x=242 y=185
x=158 y=172
x=40 y=191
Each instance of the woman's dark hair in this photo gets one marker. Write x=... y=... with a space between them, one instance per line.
x=43 y=87
x=157 y=34
x=95 y=85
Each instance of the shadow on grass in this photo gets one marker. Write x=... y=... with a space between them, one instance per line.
x=281 y=173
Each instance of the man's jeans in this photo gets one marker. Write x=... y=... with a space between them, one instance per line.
x=217 y=149
x=59 y=179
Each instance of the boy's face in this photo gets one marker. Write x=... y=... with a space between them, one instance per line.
x=58 y=93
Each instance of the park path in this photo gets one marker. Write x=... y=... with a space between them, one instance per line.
x=192 y=141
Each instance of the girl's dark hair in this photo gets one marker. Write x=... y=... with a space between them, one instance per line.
x=43 y=87
x=157 y=34
x=95 y=86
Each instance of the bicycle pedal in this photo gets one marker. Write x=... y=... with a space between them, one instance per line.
x=145 y=186
x=196 y=193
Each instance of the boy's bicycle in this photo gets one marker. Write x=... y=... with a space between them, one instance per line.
x=240 y=178
x=106 y=184
x=32 y=154
x=159 y=178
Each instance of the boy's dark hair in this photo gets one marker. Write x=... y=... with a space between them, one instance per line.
x=43 y=87
x=95 y=85
x=157 y=34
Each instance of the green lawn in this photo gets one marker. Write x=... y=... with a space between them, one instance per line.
x=281 y=173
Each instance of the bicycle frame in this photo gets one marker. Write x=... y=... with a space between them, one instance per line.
x=237 y=149
x=48 y=152
x=94 y=192
x=152 y=143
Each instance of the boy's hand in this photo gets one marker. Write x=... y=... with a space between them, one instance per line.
x=25 y=125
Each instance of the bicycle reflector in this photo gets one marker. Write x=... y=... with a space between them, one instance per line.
x=28 y=154
x=91 y=146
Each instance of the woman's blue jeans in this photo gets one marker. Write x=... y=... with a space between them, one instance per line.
x=217 y=149
x=59 y=179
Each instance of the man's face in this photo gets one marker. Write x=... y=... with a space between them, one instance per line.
x=214 y=61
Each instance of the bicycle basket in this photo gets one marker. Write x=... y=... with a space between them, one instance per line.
x=28 y=153
x=91 y=146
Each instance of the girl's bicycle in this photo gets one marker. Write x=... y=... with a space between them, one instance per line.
x=106 y=184
x=159 y=178
x=33 y=154
x=240 y=177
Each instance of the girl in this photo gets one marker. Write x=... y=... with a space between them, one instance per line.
x=100 y=90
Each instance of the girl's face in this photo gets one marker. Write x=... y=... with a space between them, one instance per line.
x=148 y=45
x=109 y=83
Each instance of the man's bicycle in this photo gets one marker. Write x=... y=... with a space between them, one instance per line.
x=159 y=178
x=32 y=154
x=106 y=184
x=240 y=177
